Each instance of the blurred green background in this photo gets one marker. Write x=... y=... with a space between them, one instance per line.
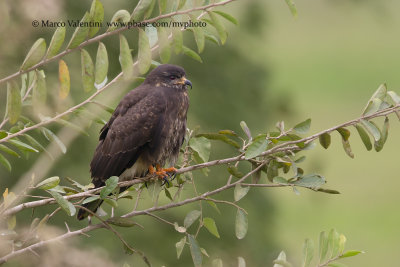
x=324 y=65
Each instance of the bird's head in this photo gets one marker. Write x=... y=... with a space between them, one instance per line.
x=168 y=75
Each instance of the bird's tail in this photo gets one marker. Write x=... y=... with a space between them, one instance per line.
x=92 y=206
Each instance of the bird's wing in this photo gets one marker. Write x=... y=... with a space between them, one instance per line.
x=134 y=123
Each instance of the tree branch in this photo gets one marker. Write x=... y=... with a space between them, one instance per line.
x=284 y=147
x=107 y=34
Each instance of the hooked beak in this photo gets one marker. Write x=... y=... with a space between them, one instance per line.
x=189 y=83
x=185 y=81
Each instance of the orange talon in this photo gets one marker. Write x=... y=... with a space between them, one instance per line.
x=152 y=170
x=161 y=173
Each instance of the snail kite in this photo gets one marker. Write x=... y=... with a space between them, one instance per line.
x=145 y=131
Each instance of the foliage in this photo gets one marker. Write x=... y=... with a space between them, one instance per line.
x=271 y=159
x=330 y=250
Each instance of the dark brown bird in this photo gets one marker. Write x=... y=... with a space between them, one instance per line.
x=145 y=131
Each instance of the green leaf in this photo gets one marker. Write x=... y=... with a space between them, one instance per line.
x=211 y=38
x=279 y=180
x=191 y=217
x=35 y=54
x=52 y=137
x=121 y=17
x=342 y=242
x=198 y=35
x=219 y=27
x=323 y=246
x=149 y=11
x=80 y=34
x=372 y=129
x=257 y=146
x=151 y=33
x=144 y=54
x=14 y=104
x=22 y=146
x=344 y=133
x=56 y=42
x=90 y=199
x=37 y=145
x=125 y=57
x=87 y=71
x=195 y=251
x=272 y=170
x=96 y=16
x=292 y=7
x=190 y=53
x=235 y=171
x=168 y=194
x=141 y=9
x=177 y=40
x=395 y=97
x=246 y=129
x=384 y=134
x=101 y=69
x=39 y=94
x=364 y=137
x=220 y=137
x=240 y=192
x=48 y=183
x=111 y=184
x=121 y=222
x=5 y=162
x=325 y=140
x=212 y=204
x=63 y=77
x=303 y=127
x=347 y=148
x=328 y=191
x=372 y=106
x=162 y=6
x=381 y=92
x=179 y=229
x=63 y=203
x=181 y=4
x=227 y=17
x=241 y=224
x=210 y=225
x=11 y=222
x=179 y=246
x=201 y=146
x=333 y=239
x=350 y=253
x=312 y=181
x=308 y=252
x=9 y=151
x=217 y=263
x=165 y=48
x=281 y=260
x=112 y=202
x=72 y=126
x=228 y=132
x=241 y=262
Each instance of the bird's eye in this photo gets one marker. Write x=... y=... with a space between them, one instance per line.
x=173 y=77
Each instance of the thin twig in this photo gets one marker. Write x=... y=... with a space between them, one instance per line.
x=99 y=37
x=286 y=146
x=159 y=218
x=107 y=34
x=226 y=202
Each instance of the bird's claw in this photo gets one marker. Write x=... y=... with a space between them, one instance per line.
x=163 y=174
